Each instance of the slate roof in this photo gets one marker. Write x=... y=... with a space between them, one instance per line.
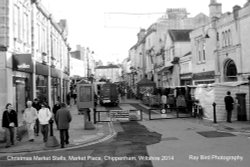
x=179 y=35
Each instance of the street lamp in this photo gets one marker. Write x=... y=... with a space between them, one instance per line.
x=216 y=38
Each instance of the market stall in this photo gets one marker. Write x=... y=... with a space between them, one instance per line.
x=208 y=94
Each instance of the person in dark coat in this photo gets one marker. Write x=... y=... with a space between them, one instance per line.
x=229 y=101
x=63 y=119
x=9 y=123
x=36 y=104
x=56 y=107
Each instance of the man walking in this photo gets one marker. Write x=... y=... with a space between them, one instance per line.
x=29 y=117
x=63 y=118
x=229 y=101
x=9 y=123
x=44 y=115
x=37 y=106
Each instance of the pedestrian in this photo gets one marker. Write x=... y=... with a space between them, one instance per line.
x=29 y=117
x=229 y=101
x=56 y=107
x=44 y=115
x=9 y=123
x=164 y=101
x=36 y=104
x=63 y=118
x=68 y=98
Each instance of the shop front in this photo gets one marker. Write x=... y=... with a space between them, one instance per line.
x=203 y=78
x=55 y=85
x=42 y=72
x=22 y=81
x=65 y=88
x=186 y=79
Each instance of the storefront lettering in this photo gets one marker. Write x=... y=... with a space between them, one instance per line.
x=23 y=66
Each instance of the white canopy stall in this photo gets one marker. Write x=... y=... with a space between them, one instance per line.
x=207 y=94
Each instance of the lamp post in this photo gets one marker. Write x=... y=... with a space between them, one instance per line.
x=215 y=37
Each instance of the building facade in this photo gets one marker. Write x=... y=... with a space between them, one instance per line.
x=34 y=55
x=110 y=72
x=220 y=48
x=154 y=46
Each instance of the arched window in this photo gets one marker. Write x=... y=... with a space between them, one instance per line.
x=230 y=71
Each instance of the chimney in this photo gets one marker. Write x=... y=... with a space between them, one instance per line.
x=215 y=9
x=236 y=9
x=141 y=35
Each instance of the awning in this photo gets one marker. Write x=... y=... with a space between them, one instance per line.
x=169 y=68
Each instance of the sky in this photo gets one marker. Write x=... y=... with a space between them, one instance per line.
x=110 y=27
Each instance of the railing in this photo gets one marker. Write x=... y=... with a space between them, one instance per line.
x=169 y=113
x=117 y=115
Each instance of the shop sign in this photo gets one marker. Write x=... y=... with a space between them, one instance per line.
x=119 y=115
x=22 y=62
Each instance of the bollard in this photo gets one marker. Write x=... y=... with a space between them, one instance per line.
x=52 y=141
x=94 y=115
x=51 y=127
x=214 y=107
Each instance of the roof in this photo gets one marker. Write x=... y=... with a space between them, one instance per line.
x=109 y=66
x=179 y=35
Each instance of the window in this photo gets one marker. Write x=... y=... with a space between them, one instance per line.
x=199 y=60
x=43 y=47
x=200 y=50
x=38 y=38
x=19 y=23
x=226 y=38
x=25 y=28
x=229 y=38
x=223 y=39
x=203 y=51
x=16 y=23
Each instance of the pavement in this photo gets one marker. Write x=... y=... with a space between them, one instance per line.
x=105 y=130
x=235 y=126
x=78 y=136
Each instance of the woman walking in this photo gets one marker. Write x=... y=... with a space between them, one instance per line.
x=29 y=117
x=9 y=122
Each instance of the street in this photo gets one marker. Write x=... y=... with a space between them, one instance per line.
x=154 y=143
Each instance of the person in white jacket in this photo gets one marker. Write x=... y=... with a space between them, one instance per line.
x=29 y=118
x=44 y=115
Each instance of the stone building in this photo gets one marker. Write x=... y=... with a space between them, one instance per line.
x=34 y=55
x=151 y=49
x=220 y=49
x=110 y=72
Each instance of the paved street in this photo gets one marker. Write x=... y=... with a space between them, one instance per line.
x=168 y=142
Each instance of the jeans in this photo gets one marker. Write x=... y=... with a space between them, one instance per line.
x=10 y=136
x=45 y=131
x=36 y=129
x=64 y=136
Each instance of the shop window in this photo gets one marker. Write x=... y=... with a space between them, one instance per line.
x=42 y=88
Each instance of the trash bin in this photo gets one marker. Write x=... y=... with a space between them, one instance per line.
x=241 y=110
